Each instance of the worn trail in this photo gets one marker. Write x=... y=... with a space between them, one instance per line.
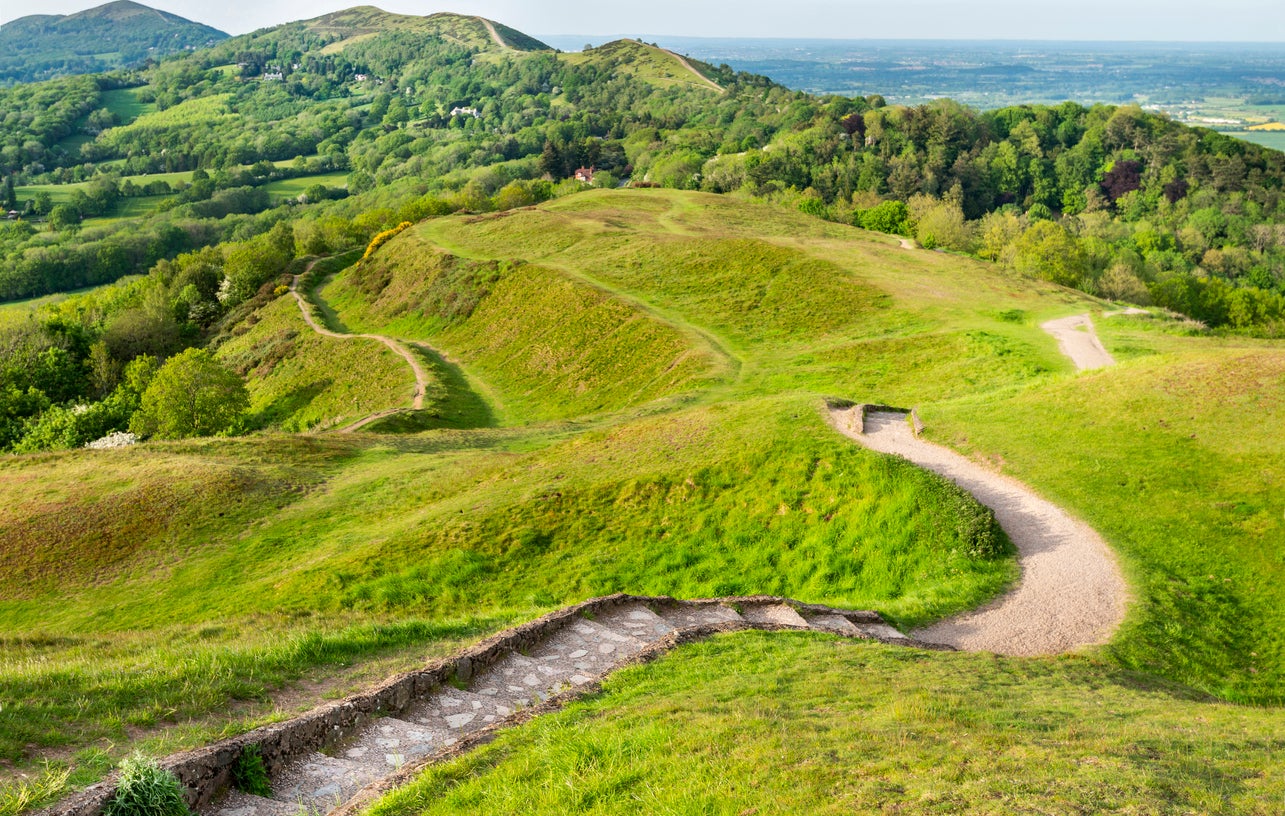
x=1077 y=339
x=1071 y=593
x=421 y=375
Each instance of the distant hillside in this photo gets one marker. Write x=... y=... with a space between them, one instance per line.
x=115 y=35
x=362 y=23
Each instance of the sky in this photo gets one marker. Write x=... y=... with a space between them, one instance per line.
x=1176 y=20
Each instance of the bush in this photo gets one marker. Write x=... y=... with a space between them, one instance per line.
x=974 y=523
x=249 y=774
x=146 y=789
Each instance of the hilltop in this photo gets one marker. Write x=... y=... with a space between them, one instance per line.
x=116 y=35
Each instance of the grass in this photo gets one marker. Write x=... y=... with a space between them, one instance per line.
x=300 y=380
x=1175 y=456
x=630 y=384
x=656 y=66
x=554 y=347
x=126 y=105
x=293 y=187
x=806 y=724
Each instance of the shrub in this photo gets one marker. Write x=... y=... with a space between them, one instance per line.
x=974 y=523
x=249 y=774
x=193 y=394
x=384 y=237
x=146 y=789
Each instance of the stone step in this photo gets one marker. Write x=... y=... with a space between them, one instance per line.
x=457 y=712
x=637 y=620
x=236 y=803
x=523 y=680
x=881 y=630
x=779 y=614
x=834 y=623
x=612 y=644
x=686 y=616
x=574 y=654
x=320 y=783
x=387 y=743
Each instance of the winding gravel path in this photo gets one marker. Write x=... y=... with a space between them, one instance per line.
x=1071 y=593
x=1077 y=340
x=421 y=376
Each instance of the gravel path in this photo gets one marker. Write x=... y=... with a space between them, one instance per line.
x=1077 y=340
x=1071 y=592
x=421 y=376
x=495 y=35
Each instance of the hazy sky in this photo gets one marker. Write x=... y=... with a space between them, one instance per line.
x=1197 y=20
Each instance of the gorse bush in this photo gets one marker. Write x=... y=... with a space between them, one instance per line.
x=146 y=789
x=384 y=237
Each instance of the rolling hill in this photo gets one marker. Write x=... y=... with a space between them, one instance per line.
x=587 y=473
x=578 y=391
x=119 y=34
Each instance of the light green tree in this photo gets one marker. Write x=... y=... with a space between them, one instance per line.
x=191 y=395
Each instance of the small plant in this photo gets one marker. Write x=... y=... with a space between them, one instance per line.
x=21 y=795
x=146 y=789
x=249 y=774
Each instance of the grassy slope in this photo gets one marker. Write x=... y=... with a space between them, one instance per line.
x=963 y=344
x=729 y=496
x=300 y=380
x=726 y=481
x=804 y=724
x=554 y=347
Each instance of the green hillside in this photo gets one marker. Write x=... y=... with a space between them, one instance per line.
x=718 y=478
x=576 y=388
x=115 y=35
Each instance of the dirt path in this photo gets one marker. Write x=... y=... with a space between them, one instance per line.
x=495 y=35
x=703 y=80
x=421 y=376
x=906 y=243
x=1077 y=340
x=1071 y=593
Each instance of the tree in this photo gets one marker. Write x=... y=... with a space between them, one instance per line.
x=191 y=395
x=64 y=217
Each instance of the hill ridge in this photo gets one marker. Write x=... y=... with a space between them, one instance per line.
x=118 y=34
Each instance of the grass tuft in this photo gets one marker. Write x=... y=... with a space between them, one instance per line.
x=146 y=789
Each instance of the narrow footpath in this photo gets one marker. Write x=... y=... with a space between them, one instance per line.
x=1078 y=341
x=421 y=376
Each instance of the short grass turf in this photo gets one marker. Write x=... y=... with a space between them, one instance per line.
x=785 y=723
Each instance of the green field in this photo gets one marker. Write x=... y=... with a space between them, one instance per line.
x=1272 y=139
x=643 y=374
x=293 y=187
x=126 y=105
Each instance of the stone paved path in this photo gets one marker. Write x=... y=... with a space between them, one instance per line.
x=579 y=653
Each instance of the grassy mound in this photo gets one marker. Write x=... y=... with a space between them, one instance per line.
x=552 y=346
